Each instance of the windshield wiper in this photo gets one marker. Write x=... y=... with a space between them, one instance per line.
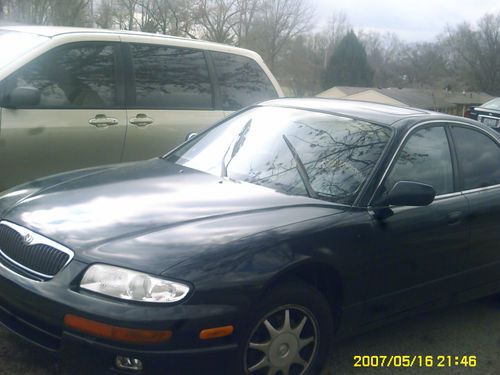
x=237 y=146
x=301 y=169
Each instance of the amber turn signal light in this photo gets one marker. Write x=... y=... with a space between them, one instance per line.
x=129 y=335
x=214 y=333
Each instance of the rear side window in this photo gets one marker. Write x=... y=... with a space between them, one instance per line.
x=72 y=76
x=479 y=157
x=241 y=80
x=170 y=77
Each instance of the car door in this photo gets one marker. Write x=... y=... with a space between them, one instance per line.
x=419 y=251
x=79 y=120
x=479 y=157
x=171 y=95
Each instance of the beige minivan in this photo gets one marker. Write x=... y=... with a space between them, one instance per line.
x=73 y=98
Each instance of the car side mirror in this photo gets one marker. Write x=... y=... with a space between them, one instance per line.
x=404 y=193
x=22 y=97
x=410 y=193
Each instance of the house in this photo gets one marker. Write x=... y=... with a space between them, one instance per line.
x=434 y=100
x=464 y=100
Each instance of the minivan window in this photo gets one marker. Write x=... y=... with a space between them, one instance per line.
x=15 y=44
x=241 y=80
x=72 y=76
x=425 y=158
x=171 y=77
x=478 y=156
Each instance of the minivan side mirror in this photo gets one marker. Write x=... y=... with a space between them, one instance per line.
x=21 y=97
x=410 y=193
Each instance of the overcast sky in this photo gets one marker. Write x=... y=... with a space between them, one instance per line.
x=412 y=20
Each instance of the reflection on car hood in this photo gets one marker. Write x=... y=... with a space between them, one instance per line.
x=138 y=199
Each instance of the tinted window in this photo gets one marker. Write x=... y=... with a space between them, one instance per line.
x=242 y=81
x=337 y=153
x=425 y=158
x=479 y=157
x=76 y=76
x=170 y=77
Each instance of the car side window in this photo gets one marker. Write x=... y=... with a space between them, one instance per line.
x=425 y=158
x=479 y=158
x=72 y=76
x=241 y=80
x=171 y=77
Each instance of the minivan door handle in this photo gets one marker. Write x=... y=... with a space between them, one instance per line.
x=102 y=121
x=141 y=120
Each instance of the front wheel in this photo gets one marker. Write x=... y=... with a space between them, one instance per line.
x=289 y=334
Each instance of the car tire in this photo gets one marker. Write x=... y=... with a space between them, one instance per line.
x=289 y=333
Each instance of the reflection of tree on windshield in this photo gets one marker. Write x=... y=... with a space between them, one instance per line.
x=333 y=154
x=337 y=159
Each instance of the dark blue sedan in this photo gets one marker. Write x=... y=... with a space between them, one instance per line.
x=251 y=247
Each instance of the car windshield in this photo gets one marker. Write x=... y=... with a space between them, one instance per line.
x=492 y=104
x=293 y=151
x=15 y=44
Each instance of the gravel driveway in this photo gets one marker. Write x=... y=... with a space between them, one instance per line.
x=469 y=329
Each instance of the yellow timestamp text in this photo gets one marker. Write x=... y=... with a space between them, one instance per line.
x=415 y=361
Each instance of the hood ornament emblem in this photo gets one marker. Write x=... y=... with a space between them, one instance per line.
x=27 y=239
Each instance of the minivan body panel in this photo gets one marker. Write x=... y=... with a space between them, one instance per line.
x=58 y=140
x=45 y=139
x=166 y=129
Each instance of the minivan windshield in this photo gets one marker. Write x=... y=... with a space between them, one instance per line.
x=293 y=151
x=14 y=44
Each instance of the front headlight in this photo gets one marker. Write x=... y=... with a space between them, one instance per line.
x=132 y=285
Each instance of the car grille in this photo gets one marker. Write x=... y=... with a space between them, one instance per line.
x=30 y=254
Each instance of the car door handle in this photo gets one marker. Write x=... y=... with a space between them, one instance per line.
x=454 y=217
x=102 y=121
x=141 y=120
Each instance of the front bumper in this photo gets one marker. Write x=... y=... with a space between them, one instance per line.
x=35 y=311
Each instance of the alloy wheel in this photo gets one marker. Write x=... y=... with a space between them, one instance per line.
x=284 y=342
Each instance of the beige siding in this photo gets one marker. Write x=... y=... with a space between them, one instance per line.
x=333 y=93
x=376 y=97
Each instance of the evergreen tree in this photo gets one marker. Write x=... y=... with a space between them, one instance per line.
x=348 y=65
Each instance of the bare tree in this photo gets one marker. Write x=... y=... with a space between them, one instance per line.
x=173 y=17
x=48 y=12
x=386 y=55
x=28 y=11
x=281 y=21
x=70 y=12
x=128 y=13
x=475 y=53
x=337 y=29
x=247 y=11
x=104 y=15
x=217 y=19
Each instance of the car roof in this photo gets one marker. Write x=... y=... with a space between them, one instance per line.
x=54 y=31
x=368 y=111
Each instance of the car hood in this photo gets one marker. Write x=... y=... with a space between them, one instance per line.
x=138 y=212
